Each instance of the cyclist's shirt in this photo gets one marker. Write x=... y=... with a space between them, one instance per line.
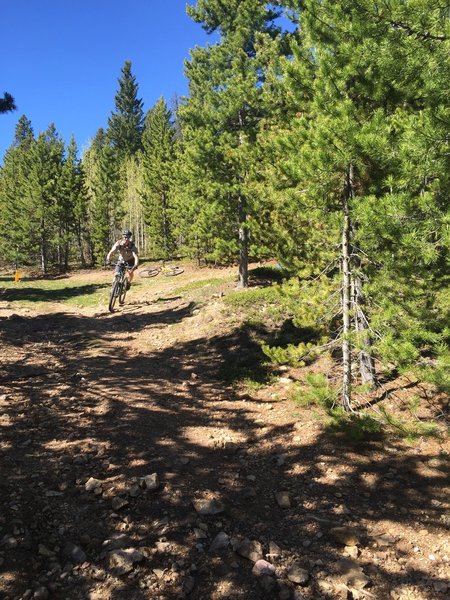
x=126 y=252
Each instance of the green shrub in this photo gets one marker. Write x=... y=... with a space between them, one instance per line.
x=318 y=392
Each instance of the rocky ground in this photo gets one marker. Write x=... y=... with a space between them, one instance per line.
x=132 y=469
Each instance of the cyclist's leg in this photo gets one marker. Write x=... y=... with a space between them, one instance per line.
x=130 y=273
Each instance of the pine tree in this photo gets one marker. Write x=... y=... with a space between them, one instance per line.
x=221 y=118
x=158 y=162
x=105 y=201
x=73 y=205
x=43 y=197
x=360 y=97
x=126 y=123
x=14 y=175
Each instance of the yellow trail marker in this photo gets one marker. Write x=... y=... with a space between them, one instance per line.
x=16 y=276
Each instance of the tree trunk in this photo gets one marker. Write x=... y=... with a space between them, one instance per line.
x=346 y=296
x=243 y=244
x=366 y=360
x=243 y=231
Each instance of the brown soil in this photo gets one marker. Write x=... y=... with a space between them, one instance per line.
x=87 y=395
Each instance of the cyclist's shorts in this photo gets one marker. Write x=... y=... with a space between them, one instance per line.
x=130 y=264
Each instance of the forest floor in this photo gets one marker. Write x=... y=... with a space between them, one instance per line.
x=136 y=465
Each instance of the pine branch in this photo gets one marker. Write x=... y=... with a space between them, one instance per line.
x=420 y=36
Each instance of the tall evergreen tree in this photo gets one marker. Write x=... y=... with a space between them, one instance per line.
x=358 y=89
x=44 y=199
x=14 y=175
x=158 y=159
x=220 y=120
x=126 y=123
x=105 y=203
x=73 y=205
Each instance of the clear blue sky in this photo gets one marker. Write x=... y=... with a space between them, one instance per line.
x=61 y=59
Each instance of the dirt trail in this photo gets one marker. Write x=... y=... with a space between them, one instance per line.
x=131 y=468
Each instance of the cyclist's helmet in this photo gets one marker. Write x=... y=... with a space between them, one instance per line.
x=127 y=234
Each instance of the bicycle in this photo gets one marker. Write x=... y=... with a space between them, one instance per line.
x=118 y=287
x=169 y=271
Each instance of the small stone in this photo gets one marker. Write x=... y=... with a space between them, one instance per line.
x=92 y=484
x=188 y=585
x=351 y=551
x=117 y=503
x=209 y=507
x=199 y=534
x=262 y=567
x=219 y=543
x=134 y=491
x=248 y=549
x=74 y=553
x=297 y=574
x=345 y=535
x=150 y=482
x=283 y=499
x=124 y=560
x=41 y=593
x=44 y=551
x=117 y=541
x=274 y=550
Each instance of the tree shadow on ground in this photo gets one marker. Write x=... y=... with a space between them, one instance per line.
x=118 y=417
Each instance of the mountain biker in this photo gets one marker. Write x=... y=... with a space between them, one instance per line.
x=128 y=253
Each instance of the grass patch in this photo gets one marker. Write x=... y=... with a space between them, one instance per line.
x=251 y=298
x=29 y=292
x=355 y=427
x=318 y=392
x=197 y=285
x=410 y=430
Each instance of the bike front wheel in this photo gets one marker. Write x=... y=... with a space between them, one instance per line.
x=122 y=292
x=172 y=271
x=114 y=293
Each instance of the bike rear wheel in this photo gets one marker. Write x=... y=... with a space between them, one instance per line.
x=149 y=272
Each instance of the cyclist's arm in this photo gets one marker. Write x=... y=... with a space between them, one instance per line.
x=136 y=260
x=108 y=257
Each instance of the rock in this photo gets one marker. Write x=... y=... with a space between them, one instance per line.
x=199 y=534
x=297 y=574
x=134 y=491
x=188 y=585
x=117 y=541
x=284 y=593
x=248 y=549
x=283 y=499
x=345 y=535
x=219 y=543
x=209 y=507
x=267 y=583
x=74 y=553
x=351 y=551
x=44 y=551
x=41 y=593
x=124 y=560
x=150 y=482
x=262 y=567
x=92 y=484
x=117 y=503
x=274 y=550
